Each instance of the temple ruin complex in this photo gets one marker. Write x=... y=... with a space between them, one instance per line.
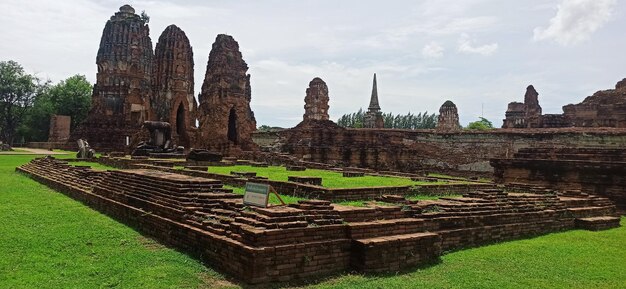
x=605 y=108
x=134 y=85
x=548 y=173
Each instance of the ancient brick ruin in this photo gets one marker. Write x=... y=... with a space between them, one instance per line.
x=121 y=95
x=464 y=152
x=226 y=120
x=598 y=171
x=59 y=128
x=313 y=238
x=316 y=101
x=605 y=108
x=373 y=117
x=172 y=83
x=524 y=115
x=446 y=149
x=556 y=172
x=134 y=85
x=448 y=117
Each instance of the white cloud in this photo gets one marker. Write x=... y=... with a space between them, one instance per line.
x=576 y=20
x=467 y=45
x=433 y=50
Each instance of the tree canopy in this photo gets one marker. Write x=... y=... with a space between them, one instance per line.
x=71 y=97
x=399 y=121
x=18 y=91
x=481 y=124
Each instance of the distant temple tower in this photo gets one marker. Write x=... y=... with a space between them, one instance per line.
x=532 y=110
x=524 y=115
x=316 y=100
x=448 y=117
x=373 y=117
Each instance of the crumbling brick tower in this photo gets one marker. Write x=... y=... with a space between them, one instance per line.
x=120 y=100
x=448 y=117
x=226 y=120
x=172 y=82
x=532 y=109
x=316 y=100
x=524 y=115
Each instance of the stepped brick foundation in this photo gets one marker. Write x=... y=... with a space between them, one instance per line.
x=313 y=237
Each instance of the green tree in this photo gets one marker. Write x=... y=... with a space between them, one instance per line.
x=36 y=122
x=71 y=97
x=353 y=120
x=481 y=124
x=399 y=121
x=18 y=90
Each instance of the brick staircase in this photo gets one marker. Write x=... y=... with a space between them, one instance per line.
x=476 y=218
x=591 y=212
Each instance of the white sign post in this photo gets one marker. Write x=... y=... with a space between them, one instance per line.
x=259 y=194
x=256 y=194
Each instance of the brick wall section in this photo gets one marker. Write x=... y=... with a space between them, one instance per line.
x=591 y=170
x=462 y=152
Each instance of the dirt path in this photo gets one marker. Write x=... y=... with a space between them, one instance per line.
x=31 y=151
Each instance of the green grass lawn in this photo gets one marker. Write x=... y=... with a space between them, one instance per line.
x=329 y=179
x=48 y=240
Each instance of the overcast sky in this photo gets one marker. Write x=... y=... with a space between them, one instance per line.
x=481 y=54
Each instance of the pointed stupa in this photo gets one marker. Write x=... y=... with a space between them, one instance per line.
x=373 y=117
x=374 y=106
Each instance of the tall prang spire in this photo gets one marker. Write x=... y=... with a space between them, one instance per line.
x=374 y=106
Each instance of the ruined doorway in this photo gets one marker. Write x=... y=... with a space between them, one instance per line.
x=181 y=130
x=232 y=126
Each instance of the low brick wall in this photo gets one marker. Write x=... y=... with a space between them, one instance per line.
x=334 y=194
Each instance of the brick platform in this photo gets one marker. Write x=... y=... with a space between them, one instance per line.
x=313 y=237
